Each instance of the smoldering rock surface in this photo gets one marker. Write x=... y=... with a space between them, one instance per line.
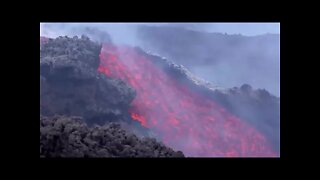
x=62 y=136
x=71 y=85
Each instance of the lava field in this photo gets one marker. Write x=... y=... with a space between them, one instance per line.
x=105 y=100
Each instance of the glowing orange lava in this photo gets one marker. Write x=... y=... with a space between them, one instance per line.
x=185 y=120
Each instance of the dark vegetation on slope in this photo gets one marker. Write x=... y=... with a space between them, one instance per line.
x=62 y=136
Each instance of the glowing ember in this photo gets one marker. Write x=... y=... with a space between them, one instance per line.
x=184 y=119
x=139 y=118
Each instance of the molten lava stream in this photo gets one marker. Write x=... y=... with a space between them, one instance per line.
x=185 y=120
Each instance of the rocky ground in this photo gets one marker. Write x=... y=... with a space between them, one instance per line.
x=71 y=85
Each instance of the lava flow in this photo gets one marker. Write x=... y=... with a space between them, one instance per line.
x=183 y=119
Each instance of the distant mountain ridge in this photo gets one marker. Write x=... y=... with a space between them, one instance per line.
x=227 y=60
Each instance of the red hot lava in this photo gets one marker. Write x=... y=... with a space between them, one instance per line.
x=183 y=119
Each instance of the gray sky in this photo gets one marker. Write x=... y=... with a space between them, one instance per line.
x=248 y=29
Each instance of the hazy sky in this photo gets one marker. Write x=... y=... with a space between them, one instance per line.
x=248 y=29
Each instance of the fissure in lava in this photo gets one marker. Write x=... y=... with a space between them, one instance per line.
x=183 y=119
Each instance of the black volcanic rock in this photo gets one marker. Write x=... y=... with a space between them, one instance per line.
x=62 y=136
x=69 y=56
x=71 y=85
